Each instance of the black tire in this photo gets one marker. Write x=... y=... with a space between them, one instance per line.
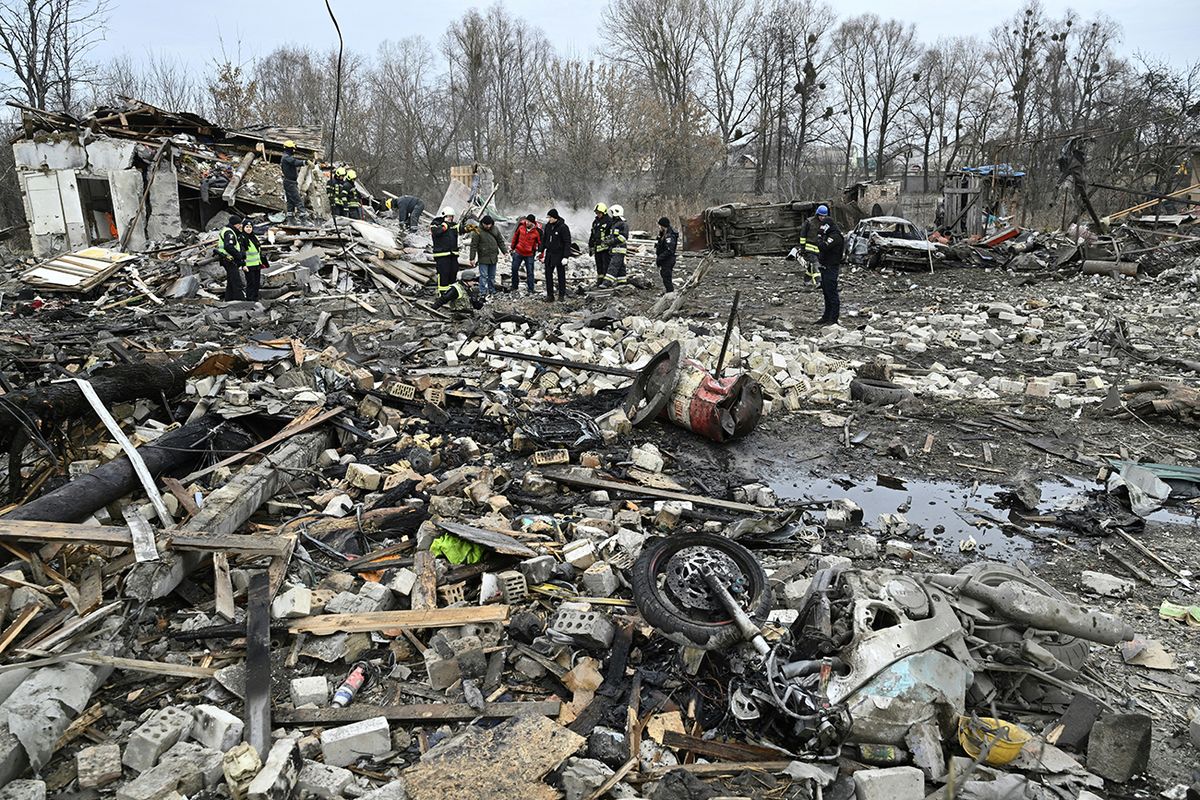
x=881 y=393
x=687 y=627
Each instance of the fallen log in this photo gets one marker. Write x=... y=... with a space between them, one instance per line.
x=76 y=500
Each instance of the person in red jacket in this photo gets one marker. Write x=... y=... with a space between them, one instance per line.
x=526 y=240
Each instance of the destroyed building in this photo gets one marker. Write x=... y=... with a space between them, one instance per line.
x=139 y=174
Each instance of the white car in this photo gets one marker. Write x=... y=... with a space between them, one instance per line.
x=890 y=241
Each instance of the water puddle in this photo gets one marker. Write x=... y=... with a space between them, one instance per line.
x=951 y=513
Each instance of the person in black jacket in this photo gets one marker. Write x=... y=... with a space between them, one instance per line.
x=444 y=232
x=290 y=166
x=598 y=241
x=554 y=250
x=830 y=244
x=228 y=249
x=664 y=252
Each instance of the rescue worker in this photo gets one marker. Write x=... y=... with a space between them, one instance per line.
x=554 y=250
x=598 y=241
x=830 y=244
x=444 y=231
x=618 y=238
x=809 y=249
x=228 y=250
x=664 y=252
x=335 y=189
x=352 y=200
x=290 y=166
x=253 y=258
x=408 y=210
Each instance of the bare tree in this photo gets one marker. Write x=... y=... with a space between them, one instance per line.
x=1018 y=46
x=726 y=35
x=44 y=44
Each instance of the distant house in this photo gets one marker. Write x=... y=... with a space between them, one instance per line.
x=138 y=174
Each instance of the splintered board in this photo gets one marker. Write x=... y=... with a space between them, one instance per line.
x=76 y=272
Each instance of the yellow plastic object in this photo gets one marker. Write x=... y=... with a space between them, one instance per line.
x=1005 y=738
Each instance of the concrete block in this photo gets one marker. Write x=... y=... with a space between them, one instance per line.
x=616 y=422
x=185 y=769
x=24 y=789
x=389 y=791
x=580 y=554
x=362 y=476
x=322 y=780
x=98 y=766
x=328 y=458
x=862 y=545
x=349 y=603
x=992 y=338
x=1106 y=585
x=893 y=783
x=1119 y=746
x=646 y=457
x=444 y=659
x=513 y=587
x=277 y=778
x=343 y=746
x=295 y=602
x=155 y=736
x=378 y=595
x=599 y=580
x=538 y=569
x=592 y=629
x=313 y=690
x=902 y=550
x=240 y=765
x=1095 y=382
x=402 y=580
x=216 y=728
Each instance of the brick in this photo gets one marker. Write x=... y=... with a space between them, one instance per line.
x=893 y=783
x=599 y=580
x=345 y=745
x=295 y=602
x=314 y=690
x=277 y=778
x=98 y=766
x=646 y=457
x=580 y=554
x=155 y=736
x=216 y=728
x=322 y=780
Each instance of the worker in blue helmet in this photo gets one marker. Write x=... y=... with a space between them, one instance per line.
x=823 y=243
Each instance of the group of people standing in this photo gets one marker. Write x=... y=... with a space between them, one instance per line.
x=240 y=252
x=344 y=199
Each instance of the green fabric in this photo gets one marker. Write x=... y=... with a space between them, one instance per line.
x=456 y=550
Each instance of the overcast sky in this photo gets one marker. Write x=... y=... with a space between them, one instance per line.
x=1162 y=29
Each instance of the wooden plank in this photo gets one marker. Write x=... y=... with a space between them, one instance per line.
x=131 y=664
x=23 y=618
x=290 y=430
x=416 y=712
x=85 y=720
x=424 y=592
x=725 y=768
x=326 y=624
x=493 y=540
x=181 y=494
x=120 y=536
x=588 y=482
x=91 y=588
x=258 y=664
x=728 y=751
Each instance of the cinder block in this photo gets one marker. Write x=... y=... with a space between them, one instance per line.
x=538 y=569
x=378 y=595
x=277 y=778
x=402 y=580
x=313 y=690
x=322 y=780
x=185 y=769
x=599 y=580
x=592 y=629
x=216 y=728
x=295 y=602
x=580 y=554
x=155 y=736
x=98 y=766
x=893 y=783
x=363 y=476
x=345 y=745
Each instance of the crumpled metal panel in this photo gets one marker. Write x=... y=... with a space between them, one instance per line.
x=928 y=687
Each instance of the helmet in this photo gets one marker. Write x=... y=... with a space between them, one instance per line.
x=447 y=211
x=822 y=210
x=340 y=172
x=351 y=174
x=616 y=211
x=601 y=208
x=289 y=145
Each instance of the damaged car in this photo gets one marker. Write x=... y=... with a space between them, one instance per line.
x=891 y=242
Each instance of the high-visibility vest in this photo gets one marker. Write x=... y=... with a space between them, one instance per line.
x=221 y=242
x=253 y=256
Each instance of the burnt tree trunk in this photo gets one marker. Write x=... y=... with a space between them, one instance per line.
x=75 y=500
